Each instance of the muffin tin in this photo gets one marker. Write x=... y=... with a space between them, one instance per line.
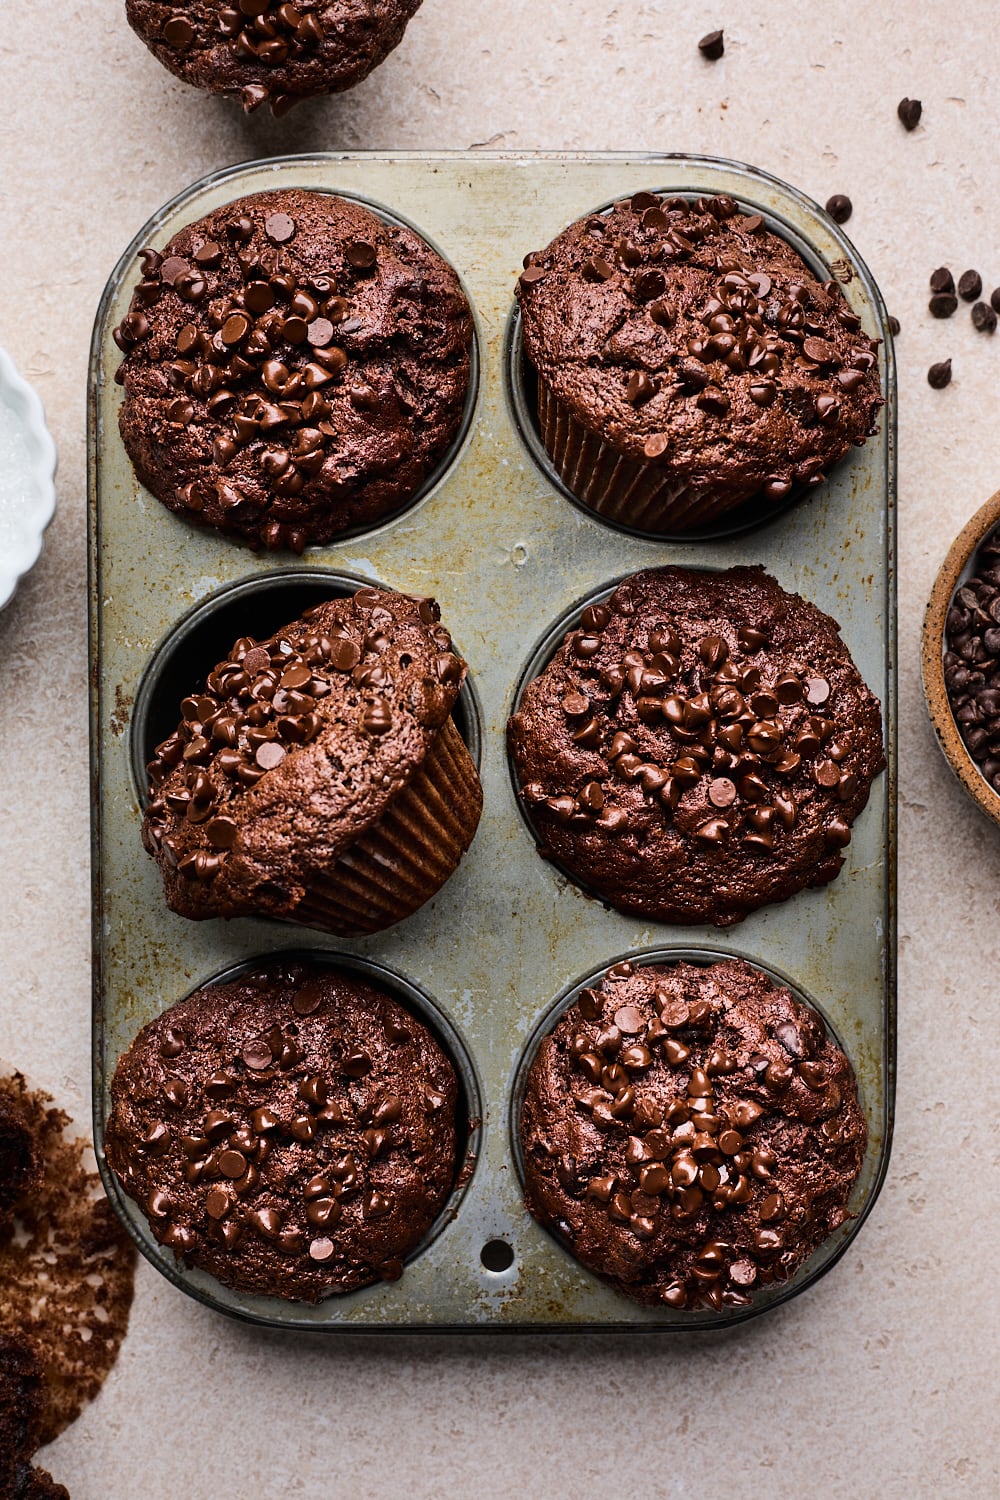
x=508 y=940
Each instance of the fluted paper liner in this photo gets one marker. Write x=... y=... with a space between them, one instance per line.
x=406 y=857
x=631 y=494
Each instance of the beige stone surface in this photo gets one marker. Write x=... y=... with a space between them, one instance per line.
x=881 y=1380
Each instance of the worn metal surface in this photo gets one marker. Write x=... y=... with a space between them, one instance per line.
x=505 y=554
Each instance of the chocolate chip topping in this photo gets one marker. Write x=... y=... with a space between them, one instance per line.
x=727 y=745
x=318 y=1176
x=711 y=378
x=279 y=384
x=269 y=50
x=292 y=748
x=705 y=1153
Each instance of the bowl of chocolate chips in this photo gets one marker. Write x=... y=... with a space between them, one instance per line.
x=961 y=657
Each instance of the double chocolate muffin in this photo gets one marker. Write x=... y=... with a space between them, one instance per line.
x=688 y=359
x=691 y=1134
x=698 y=746
x=266 y=50
x=318 y=776
x=292 y=1132
x=21 y=1406
x=294 y=367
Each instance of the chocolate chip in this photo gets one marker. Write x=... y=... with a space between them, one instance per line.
x=942 y=280
x=840 y=208
x=712 y=46
x=361 y=255
x=939 y=375
x=279 y=228
x=970 y=284
x=942 y=304
x=893 y=329
x=984 y=318
x=909 y=112
x=995 y=299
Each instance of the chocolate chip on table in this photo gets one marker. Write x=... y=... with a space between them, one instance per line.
x=909 y=112
x=970 y=284
x=995 y=299
x=840 y=208
x=984 y=318
x=712 y=46
x=894 y=326
x=939 y=375
x=942 y=280
x=942 y=304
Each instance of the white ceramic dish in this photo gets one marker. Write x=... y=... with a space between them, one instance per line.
x=27 y=475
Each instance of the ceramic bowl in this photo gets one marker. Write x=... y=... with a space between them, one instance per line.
x=26 y=504
x=954 y=570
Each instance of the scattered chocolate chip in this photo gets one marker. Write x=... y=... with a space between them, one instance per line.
x=909 y=112
x=942 y=280
x=995 y=299
x=984 y=319
x=840 y=208
x=970 y=284
x=939 y=375
x=712 y=46
x=893 y=326
x=942 y=304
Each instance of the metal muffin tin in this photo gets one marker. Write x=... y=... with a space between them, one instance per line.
x=495 y=539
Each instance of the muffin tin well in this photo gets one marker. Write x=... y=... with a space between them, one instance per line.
x=833 y=1248
x=504 y=551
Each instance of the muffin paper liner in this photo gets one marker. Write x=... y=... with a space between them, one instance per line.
x=407 y=856
x=619 y=489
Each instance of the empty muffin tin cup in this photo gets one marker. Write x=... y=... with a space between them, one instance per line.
x=468 y=1130
x=631 y=496
x=415 y=846
x=862 y=1196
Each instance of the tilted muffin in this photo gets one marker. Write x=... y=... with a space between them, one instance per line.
x=698 y=746
x=692 y=1134
x=292 y=1132
x=688 y=360
x=318 y=776
x=266 y=50
x=294 y=367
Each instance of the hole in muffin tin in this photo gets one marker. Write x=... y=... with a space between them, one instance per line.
x=454 y=449
x=668 y=957
x=256 y=606
x=521 y=383
x=468 y=1113
x=497 y=1256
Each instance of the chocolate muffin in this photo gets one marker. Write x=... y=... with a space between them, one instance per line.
x=294 y=367
x=698 y=746
x=264 y=50
x=21 y=1406
x=691 y=1134
x=20 y=1157
x=688 y=359
x=318 y=776
x=291 y=1132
